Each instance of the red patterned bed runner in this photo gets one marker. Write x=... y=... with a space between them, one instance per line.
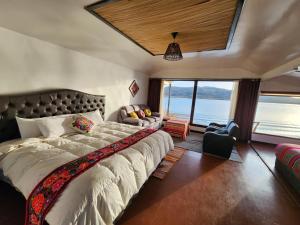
x=48 y=190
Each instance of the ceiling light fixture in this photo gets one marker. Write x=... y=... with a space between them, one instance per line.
x=173 y=52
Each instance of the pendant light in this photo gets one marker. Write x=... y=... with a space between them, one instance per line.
x=173 y=52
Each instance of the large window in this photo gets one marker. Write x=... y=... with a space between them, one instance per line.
x=278 y=115
x=213 y=102
x=201 y=102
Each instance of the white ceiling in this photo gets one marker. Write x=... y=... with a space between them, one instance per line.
x=267 y=37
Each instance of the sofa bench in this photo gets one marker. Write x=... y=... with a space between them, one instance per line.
x=154 y=121
x=288 y=163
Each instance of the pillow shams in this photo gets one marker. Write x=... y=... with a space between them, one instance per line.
x=28 y=127
x=55 y=126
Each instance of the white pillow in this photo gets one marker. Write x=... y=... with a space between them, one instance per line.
x=55 y=126
x=94 y=116
x=28 y=127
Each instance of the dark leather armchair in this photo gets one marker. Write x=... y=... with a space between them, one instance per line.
x=219 y=139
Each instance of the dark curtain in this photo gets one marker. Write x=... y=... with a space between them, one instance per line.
x=246 y=107
x=154 y=92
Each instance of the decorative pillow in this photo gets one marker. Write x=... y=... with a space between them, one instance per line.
x=82 y=124
x=133 y=115
x=141 y=114
x=147 y=112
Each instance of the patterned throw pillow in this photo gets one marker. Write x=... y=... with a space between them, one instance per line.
x=141 y=114
x=147 y=112
x=133 y=115
x=82 y=124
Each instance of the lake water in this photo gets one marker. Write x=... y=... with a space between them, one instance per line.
x=271 y=118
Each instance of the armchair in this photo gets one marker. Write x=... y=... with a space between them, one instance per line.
x=221 y=141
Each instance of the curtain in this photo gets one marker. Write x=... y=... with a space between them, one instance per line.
x=246 y=107
x=154 y=92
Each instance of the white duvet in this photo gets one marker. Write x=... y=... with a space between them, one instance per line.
x=100 y=194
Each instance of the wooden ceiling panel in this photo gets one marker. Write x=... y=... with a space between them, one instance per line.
x=201 y=24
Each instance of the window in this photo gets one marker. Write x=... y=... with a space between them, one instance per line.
x=213 y=102
x=201 y=102
x=178 y=97
x=278 y=115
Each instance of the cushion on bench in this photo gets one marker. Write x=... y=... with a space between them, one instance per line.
x=289 y=155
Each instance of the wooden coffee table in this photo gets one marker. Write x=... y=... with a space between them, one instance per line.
x=177 y=128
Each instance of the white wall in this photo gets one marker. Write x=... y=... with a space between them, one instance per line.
x=283 y=83
x=28 y=64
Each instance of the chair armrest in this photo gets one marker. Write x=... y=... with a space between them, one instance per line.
x=211 y=128
x=133 y=121
x=217 y=125
x=156 y=114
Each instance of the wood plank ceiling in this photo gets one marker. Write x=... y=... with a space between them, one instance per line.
x=202 y=24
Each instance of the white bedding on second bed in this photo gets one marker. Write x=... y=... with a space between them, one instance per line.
x=100 y=194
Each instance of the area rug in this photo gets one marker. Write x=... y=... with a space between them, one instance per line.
x=168 y=162
x=194 y=143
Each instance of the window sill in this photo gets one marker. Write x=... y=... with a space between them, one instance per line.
x=274 y=139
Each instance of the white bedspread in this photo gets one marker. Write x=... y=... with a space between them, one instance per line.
x=100 y=194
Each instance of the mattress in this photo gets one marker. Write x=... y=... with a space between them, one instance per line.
x=100 y=194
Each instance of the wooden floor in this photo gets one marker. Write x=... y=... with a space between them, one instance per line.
x=266 y=152
x=199 y=190
x=205 y=190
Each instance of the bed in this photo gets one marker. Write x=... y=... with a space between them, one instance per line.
x=101 y=194
x=288 y=164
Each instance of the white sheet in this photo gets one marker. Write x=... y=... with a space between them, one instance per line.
x=99 y=195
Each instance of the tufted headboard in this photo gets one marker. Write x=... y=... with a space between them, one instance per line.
x=42 y=104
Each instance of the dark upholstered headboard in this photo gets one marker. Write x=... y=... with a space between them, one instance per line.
x=42 y=104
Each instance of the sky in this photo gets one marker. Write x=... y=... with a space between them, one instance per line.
x=218 y=84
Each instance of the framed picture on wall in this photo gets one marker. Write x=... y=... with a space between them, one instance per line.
x=134 y=88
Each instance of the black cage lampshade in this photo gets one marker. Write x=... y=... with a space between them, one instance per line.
x=173 y=52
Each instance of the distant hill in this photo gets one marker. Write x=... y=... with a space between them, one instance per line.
x=220 y=94
x=202 y=92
